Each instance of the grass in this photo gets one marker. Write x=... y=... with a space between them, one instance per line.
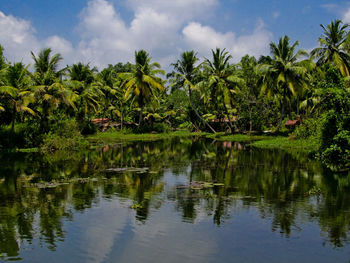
x=117 y=136
x=237 y=137
x=259 y=141
x=270 y=141
x=279 y=142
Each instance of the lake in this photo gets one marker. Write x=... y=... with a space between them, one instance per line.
x=176 y=200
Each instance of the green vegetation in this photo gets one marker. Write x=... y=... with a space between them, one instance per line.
x=122 y=136
x=52 y=108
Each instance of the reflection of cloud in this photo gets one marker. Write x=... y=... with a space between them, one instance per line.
x=167 y=239
x=103 y=225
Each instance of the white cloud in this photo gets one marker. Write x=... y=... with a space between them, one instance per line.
x=276 y=15
x=182 y=10
x=162 y=27
x=204 y=38
x=18 y=38
x=346 y=16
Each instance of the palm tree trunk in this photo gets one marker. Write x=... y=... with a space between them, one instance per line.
x=140 y=116
x=121 y=116
x=197 y=113
x=229 y=119
x=13 y=121
x=250 y=120
x=282 y=111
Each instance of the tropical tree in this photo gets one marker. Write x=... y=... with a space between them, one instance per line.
x=284 y=73
x=49 y=90
x=186 y=71
x=3 y=66
x=333 y=46
x=17 y=91
x=222 y=80
x=113 y=100
x=46 y=67
x=142 y=81
x=86 y=94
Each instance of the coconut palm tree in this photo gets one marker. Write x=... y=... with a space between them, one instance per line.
x=333 y=46
x=86 y=94
x=113 y=96
x=284 y=73
x=46 y=67
x=142 y=81
x=185 y=73
x=49 y=90
x=17 y=91
x=222 y=80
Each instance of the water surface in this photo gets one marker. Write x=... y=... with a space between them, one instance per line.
x=179 y=200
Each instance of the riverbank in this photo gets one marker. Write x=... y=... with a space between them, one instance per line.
x=117 y=136
x=259 y=141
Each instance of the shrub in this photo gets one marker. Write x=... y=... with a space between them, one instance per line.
x=309 y=128
x=153 y=127
x=65 y=136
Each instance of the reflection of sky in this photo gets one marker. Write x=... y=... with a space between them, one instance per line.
x=109 y=232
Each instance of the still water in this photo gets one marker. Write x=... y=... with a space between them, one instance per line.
x=179 y=200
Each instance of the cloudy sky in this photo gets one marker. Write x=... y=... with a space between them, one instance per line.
x=105 y=32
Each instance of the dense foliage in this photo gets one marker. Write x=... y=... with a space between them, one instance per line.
x=253 y=95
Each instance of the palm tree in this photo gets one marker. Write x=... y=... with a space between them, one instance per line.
x=222 y=80
x=81 y=83
x=333 y=46
x=113 y=101
x=283 y=73
x=186 y=71
x=143 y=80
x=46 y=67
x=17 y=91
x=49 y=90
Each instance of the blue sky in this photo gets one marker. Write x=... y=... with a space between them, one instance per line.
x=108 y=31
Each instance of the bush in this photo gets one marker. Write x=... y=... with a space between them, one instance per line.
x=309 y=128
x=65 y=136
x=337 y=153
x=53 y=142
x=88 y=128
x=152 y=127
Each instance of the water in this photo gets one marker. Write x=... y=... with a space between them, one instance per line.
x=180 y=200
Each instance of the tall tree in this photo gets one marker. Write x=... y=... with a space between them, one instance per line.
x=17 y=91
x=222 y=80
x=49 y=90
x=186 y=71
x=110 y=84
x=86 y=94
x=142 y=81
x=284 y=73
x=333 y=46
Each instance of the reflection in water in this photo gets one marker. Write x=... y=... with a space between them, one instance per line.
x=49 y=202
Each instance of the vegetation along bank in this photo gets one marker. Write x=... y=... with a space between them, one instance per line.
x=302 y=97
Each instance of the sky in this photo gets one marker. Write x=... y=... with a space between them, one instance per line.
x=102 y=32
